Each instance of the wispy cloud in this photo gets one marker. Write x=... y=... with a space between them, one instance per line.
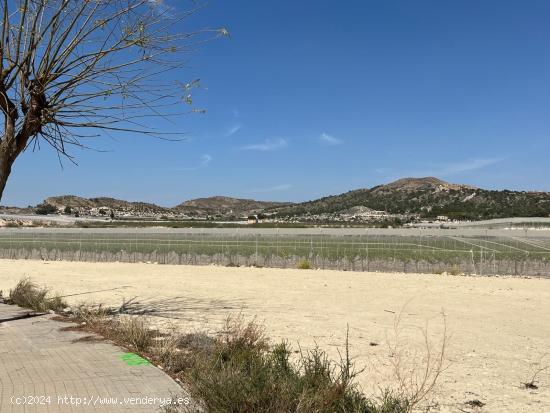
x=443 y=169
x=267 y=145
x=204 y=162
x=329 y=139
x=275 y=188
x=233 y=129
x=467 y=165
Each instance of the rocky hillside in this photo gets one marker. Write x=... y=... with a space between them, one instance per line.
x=60 y=202
x=424 y=197
x=217 y=206
x=226 y=206
x=430 y=197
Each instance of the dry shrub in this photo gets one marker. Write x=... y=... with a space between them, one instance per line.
x=238 y=371
x=195 y=342
x=536 y=369
x=29 y=295
x=91 y=316
x=175 y=352
x=130 y=331
x=455 y=270
x=173 y=359
x=133 y=331
x=416 y=370
x=238 y=335
x=241 y=373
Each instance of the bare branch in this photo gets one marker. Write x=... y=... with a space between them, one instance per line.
x=67 y=65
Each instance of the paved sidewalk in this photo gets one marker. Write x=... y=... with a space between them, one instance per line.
x=40 y=361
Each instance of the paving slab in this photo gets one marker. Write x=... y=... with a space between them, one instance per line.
x=9 y=312
x=45 y=369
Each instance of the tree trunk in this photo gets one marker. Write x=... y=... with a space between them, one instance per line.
x=8 y=154
x=14 y=142
x=5 y=170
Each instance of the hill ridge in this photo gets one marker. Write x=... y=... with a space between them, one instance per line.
x=428 y=197
x=411 y=196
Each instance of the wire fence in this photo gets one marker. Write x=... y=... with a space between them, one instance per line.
x=483 y=253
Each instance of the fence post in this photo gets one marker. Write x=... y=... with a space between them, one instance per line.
x=367 y=249
x=277 y=242
x=480 y=262
x=256 y=258
x=338 y=255
x=323 y=242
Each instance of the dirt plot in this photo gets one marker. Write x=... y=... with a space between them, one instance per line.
x=499 y=327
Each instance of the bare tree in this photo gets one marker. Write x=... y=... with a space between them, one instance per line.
x=71 y=67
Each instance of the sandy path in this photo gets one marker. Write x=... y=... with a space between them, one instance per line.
x=499 y=326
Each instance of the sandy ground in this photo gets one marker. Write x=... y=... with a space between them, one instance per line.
x=499 y=327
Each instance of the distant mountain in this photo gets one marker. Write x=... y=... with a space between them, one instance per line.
x=425 y=197
x=226 y=206
x=422 y=183
x=430 y=197
x=217 y=206
x=60 y=202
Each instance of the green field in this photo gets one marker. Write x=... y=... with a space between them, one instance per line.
x=444 y=249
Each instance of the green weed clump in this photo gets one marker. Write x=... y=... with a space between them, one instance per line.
x=304 y=265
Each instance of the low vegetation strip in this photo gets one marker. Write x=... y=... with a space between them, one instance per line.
x=482 y=255
x=237 y=370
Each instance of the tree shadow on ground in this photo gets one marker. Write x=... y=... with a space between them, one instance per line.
x=177 y=307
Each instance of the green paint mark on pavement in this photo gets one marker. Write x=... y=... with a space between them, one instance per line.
x=133 y=359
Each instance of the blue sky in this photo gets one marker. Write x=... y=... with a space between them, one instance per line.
x=310 y=98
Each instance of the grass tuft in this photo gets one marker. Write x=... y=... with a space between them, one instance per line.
x=29 y=295
x=130 y=331
x=133 y=331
